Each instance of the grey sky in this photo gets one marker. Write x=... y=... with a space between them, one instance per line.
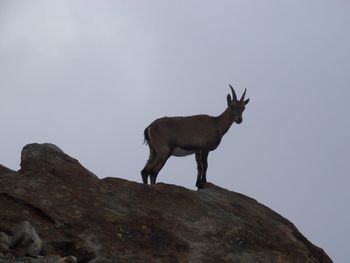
x=89 y=76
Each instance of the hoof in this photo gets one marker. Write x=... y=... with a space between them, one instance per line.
x=144 y=177
x=200 y=186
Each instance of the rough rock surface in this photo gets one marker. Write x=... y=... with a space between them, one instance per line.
x=25 y=237
x=5 y=242
x=115 y=220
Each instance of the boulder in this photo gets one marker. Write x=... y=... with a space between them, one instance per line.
x=26 y=238
x=68 y=259
x=48 y=159
x=5 y=242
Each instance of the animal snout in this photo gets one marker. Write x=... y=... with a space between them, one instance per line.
x=239 y=120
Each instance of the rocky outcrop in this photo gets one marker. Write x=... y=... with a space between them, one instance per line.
x=76 y=214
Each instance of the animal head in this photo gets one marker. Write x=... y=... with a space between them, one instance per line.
x=236 y=106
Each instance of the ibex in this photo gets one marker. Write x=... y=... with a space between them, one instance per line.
x=181 y=136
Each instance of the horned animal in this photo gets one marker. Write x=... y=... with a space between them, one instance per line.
x=181 y=136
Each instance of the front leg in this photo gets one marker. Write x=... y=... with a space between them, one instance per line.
x=204 y=167
x=199 y=170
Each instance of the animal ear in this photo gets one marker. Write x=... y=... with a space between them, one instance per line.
x=246 y=102
x=228 y=100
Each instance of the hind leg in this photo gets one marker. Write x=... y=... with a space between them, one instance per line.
x=161 y=160
x=144 y=175
x=148 y=167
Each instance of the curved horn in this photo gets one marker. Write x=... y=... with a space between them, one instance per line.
x=242 y=98
x=234 y=96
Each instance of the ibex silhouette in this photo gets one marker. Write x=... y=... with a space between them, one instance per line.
x=181 y=136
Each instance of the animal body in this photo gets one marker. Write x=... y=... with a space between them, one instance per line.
x=181 y=136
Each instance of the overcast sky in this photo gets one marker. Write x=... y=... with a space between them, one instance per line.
x=89 y=76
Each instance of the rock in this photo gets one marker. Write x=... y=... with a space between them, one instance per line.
x=115 y=220
x=13 y=258
x=40 y=155
x=7 y=258
x=19 y=252
x=5 y=242
x=101 y=260
x=52 y=258
x=68 y=259
x=26 y=238
x=4 y=169
x=48 y=159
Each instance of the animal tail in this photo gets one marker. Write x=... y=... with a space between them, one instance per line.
x=146 y=137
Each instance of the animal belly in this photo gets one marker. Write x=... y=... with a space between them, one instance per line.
x=182 y=152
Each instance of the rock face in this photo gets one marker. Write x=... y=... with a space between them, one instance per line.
x=115 y=220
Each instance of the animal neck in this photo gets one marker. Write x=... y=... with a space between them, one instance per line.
x=225 y=121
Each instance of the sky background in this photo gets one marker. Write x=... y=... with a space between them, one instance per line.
x=89 y=76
